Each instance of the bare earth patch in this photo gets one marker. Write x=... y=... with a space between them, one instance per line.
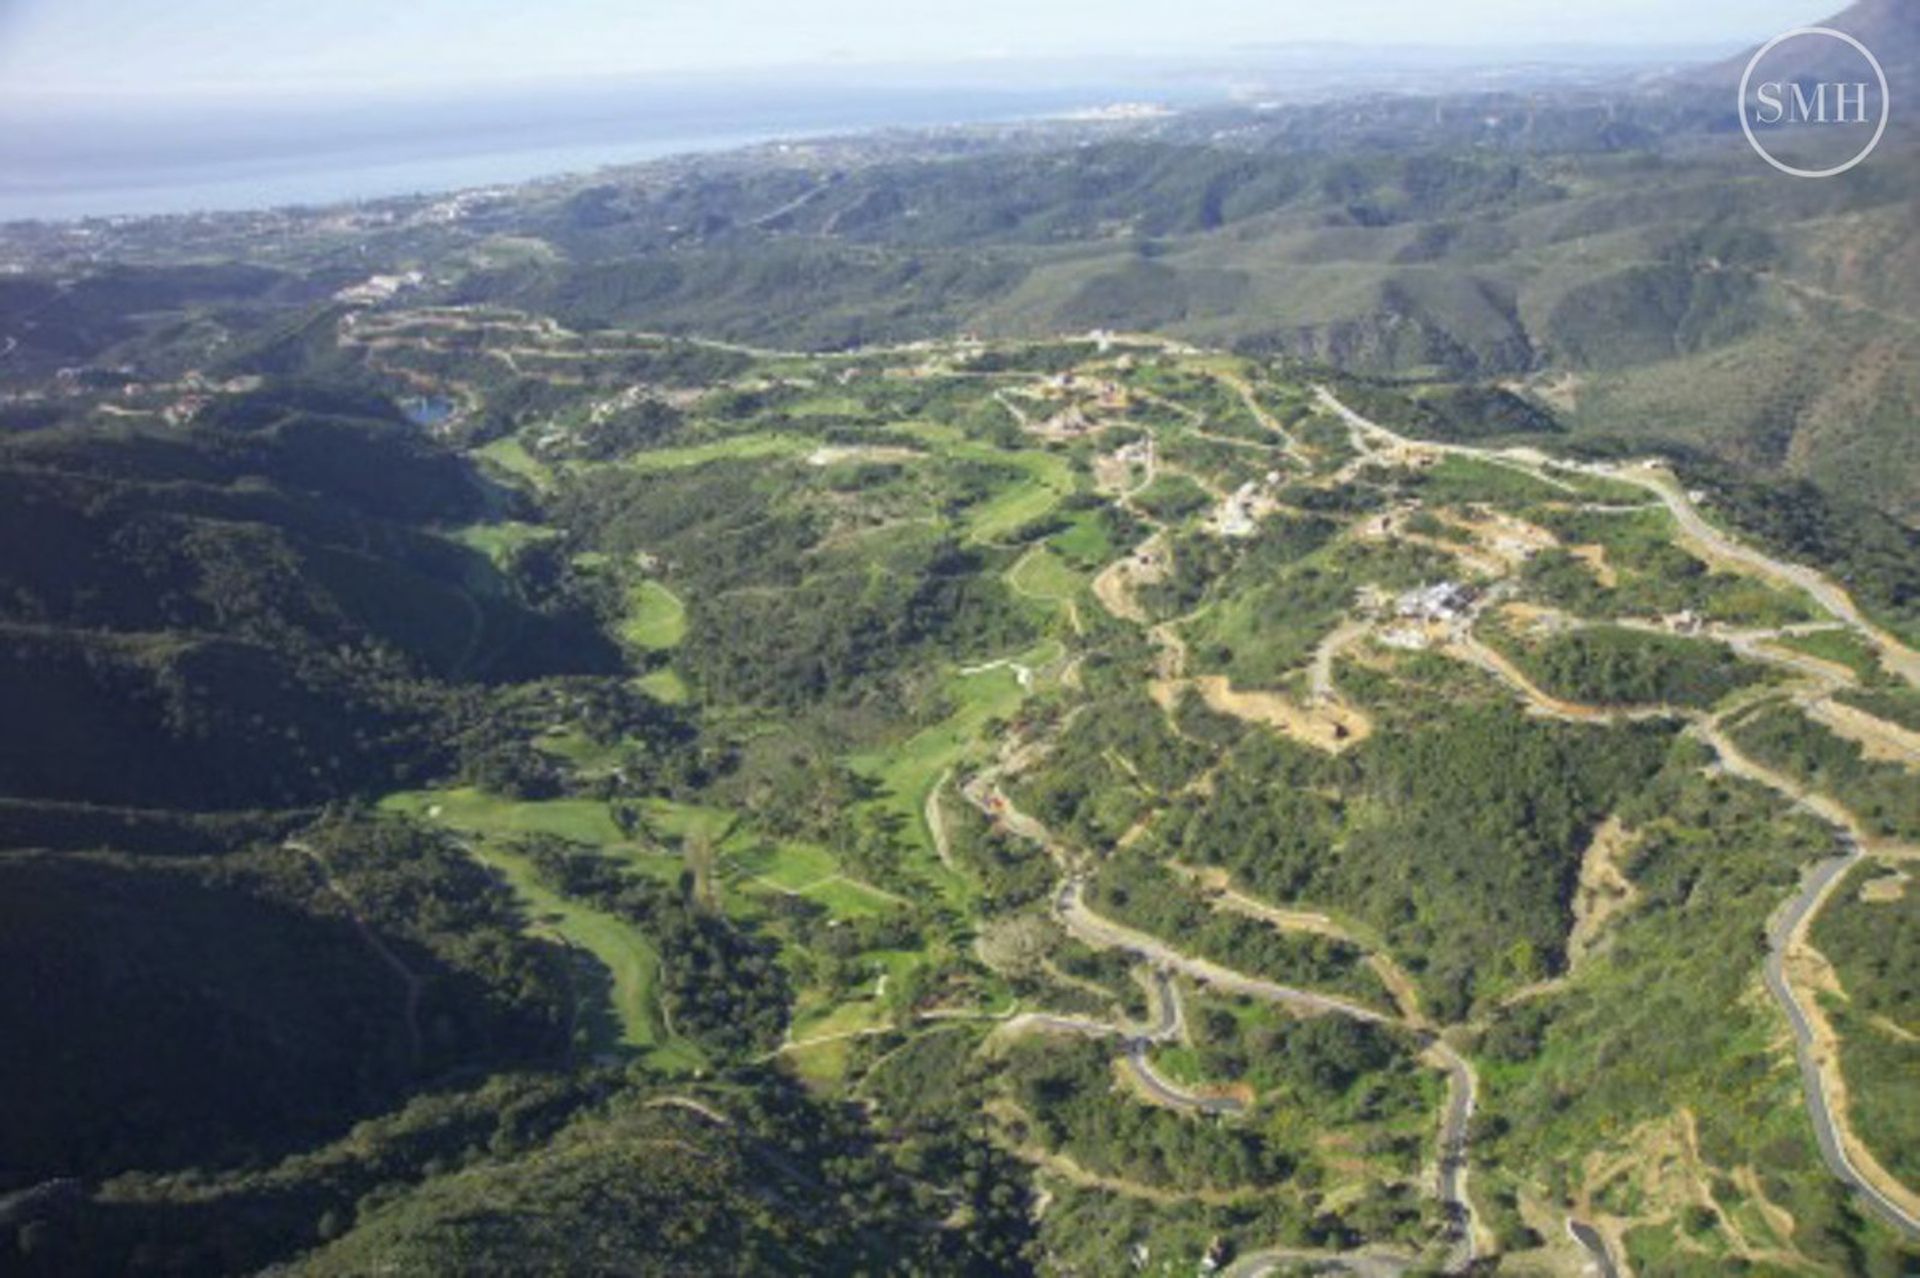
x=1662 y=1162
x=832 y=454
x=1877 y=739
x=1327 y=726
x=1113 y=587
x=1604 y=891
x=1595 y=557
x=1885 y=890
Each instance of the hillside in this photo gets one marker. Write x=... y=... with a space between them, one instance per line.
x=1327 y=689
x=1621 y=255
x=953 y=808
x=260 y=613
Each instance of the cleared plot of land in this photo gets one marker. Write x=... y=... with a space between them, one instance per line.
x=1878 y=740
x=1604 y=891
x=1326 y=726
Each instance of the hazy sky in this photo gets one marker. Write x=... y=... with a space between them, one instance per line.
x=57 y=46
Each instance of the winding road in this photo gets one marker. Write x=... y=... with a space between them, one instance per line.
x=1837 y=1146
x=1782 y=937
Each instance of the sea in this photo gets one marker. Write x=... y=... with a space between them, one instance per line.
x=62 y=160
x=109 y=155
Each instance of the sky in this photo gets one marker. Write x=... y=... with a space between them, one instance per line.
x=142 y=47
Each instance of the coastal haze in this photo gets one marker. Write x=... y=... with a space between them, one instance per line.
x=114 y=155
x=103 y=113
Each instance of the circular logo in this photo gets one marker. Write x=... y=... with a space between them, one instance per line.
x=1785 y=109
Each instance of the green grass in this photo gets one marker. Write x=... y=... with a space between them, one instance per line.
x=686 y=820
x=1180 y=1064
x=665 y=685
x=849 y=898
x=838 y=1018
x=489 y=816
x=758 y=866
x=631 y=964
x=789 y=866
x=737 y=447
x=1013 y=509
x=656 y=619
x=1085 y=540
x=511 y=456
x=909 y=771
x=1048 y=479
x=1041 y=574
x=630 y=961
x=581 y=751
x=822 y=1066
x=499 y=542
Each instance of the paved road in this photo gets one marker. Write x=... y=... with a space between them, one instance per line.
x=1103 y=933
x=1462 y=1095
x=1172 y=1093
x=1828 y=595
x=1343 y=637
x=1780 y=935
x=1589 y=1237
x=1136 y=1043
x=1897 y=657
x=1462 y=1089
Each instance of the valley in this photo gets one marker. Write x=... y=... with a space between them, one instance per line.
x=1296 y=687
x=1188 y=776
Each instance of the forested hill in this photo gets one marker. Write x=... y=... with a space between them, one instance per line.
x=260 y=612
x=1333 y=688
x=956 y=808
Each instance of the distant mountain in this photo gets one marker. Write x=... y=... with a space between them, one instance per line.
x=1890 y=28
x=1613 y=245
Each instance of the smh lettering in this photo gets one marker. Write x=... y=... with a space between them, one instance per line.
x=1790 y=103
